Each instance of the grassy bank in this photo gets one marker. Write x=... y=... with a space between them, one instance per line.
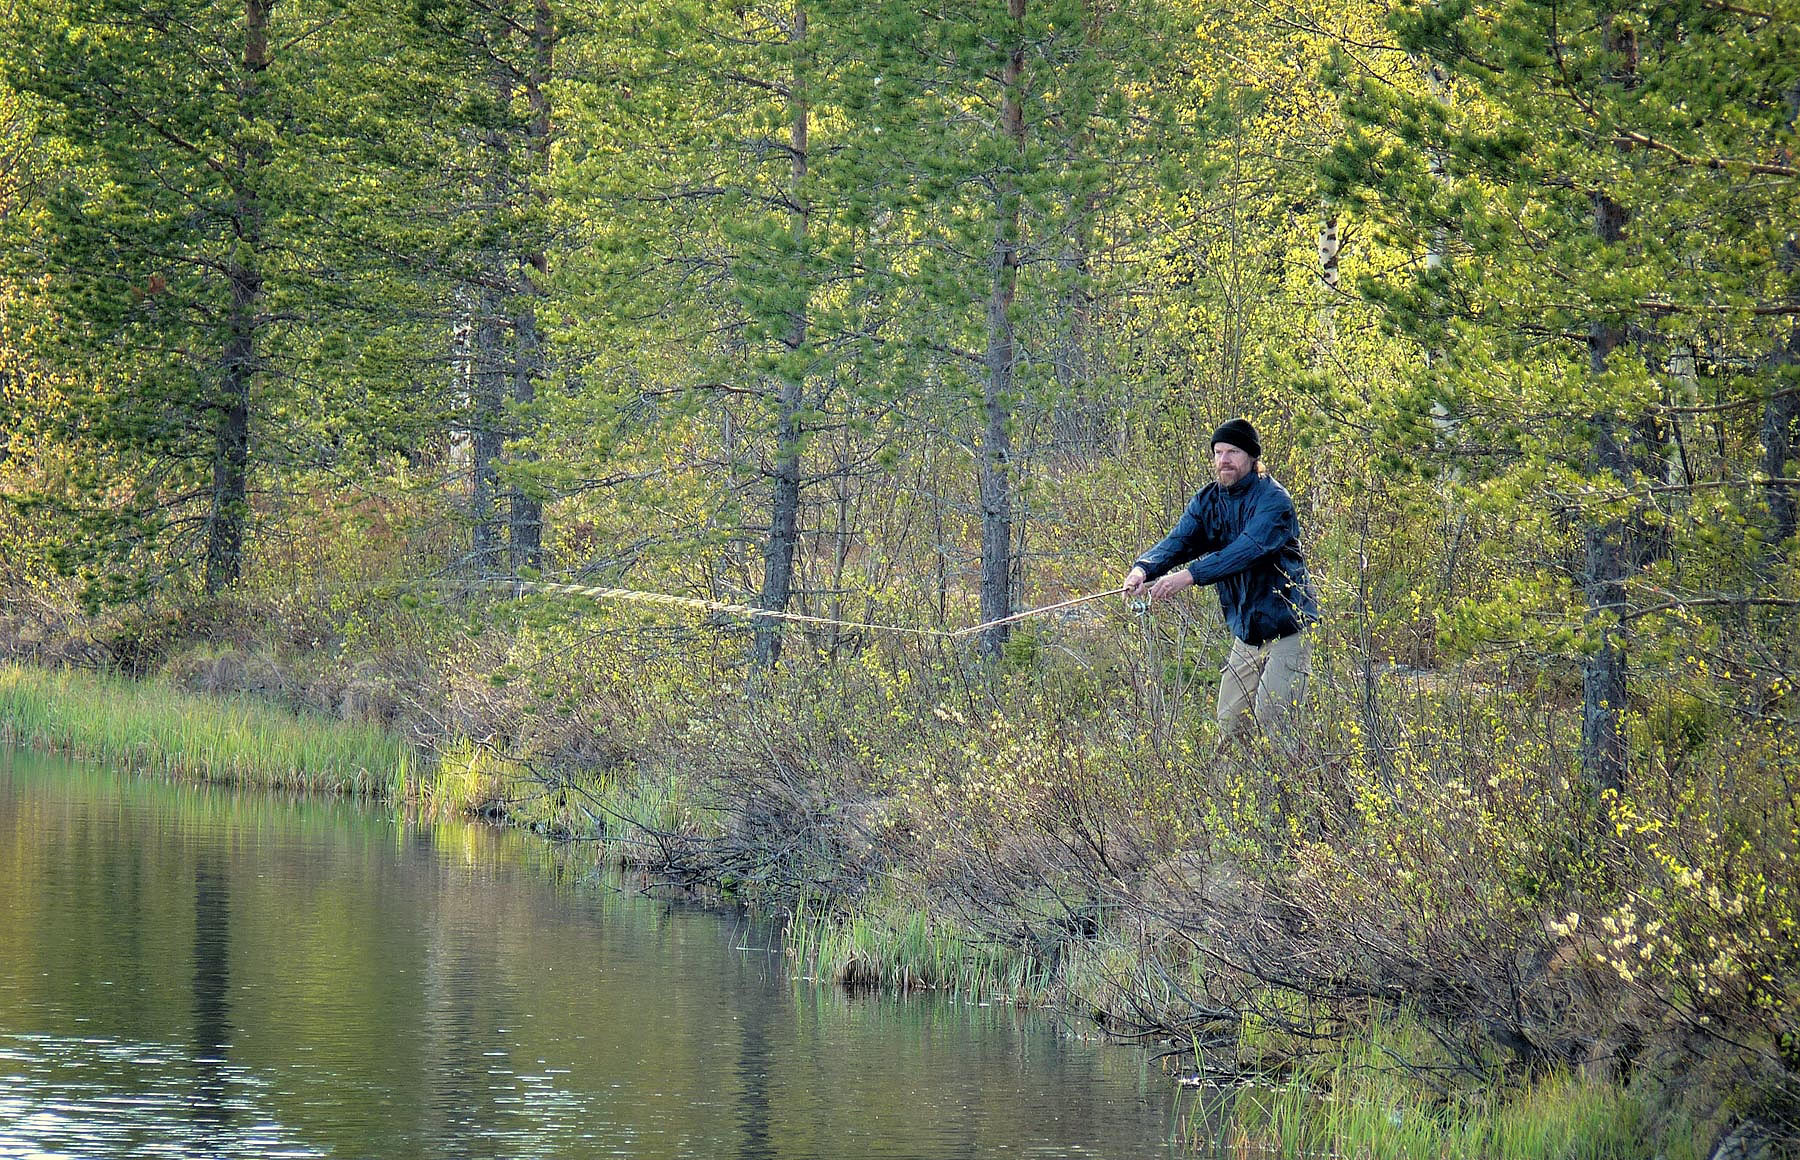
x=1365 y=1110
x=1388 y=1089
x=151 y=726
x=247 y=739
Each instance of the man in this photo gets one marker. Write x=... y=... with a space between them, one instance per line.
x=1241 y=535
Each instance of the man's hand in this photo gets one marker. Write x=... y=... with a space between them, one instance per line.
x=1171 y=583
x=1134 y=581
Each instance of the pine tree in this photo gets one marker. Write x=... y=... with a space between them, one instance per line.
x=998 y=135
x=1615 y=199
x=160 y=243
x=713 y=236
x=205 y=251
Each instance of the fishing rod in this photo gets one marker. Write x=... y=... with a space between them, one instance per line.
x=636 y=596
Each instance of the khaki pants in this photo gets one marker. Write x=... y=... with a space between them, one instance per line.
x=1263 y=685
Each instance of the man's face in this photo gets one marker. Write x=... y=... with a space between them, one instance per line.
x=1230 y=463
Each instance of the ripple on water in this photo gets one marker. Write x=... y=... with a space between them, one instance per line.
x=80 y=1097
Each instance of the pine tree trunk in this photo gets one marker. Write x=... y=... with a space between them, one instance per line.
x=996 y=444
x=525 y=513
x=784 y=520
x=229 y=504
x=1780 y=439
x=487 y=435
x=1603 y=585
x=1608 y=561
x=1781 y=414
x=784 y=490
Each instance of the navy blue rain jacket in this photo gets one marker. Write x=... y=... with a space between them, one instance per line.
x=1244 y=539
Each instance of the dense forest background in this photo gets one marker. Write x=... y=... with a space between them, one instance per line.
x=327 y=327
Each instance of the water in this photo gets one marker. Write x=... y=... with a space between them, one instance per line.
x=196 y=972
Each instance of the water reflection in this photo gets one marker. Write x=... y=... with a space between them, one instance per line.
x=753 y=1062
x=192 y=972
x=212 y=1004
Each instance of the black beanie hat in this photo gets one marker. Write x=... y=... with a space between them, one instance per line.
x=1239 y=433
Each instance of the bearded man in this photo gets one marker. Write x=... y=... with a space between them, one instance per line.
x=1240 y=534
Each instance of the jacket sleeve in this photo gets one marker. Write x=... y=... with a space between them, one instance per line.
x=1270 y=527
x=1186 y=541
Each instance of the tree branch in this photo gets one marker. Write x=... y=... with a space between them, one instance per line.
x=1711 y=601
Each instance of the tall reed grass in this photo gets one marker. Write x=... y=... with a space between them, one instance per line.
x=904 y=948
x=149 y=726
x=466 y=779
x=1367 y=1104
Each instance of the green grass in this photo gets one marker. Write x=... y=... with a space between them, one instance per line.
x=152 y=727
x=903 y=948
x=466 y=778
x=1365 y=1105
x=1563 y=1118
x=629 y=803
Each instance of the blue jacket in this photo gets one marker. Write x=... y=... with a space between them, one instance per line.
x=1246 y=540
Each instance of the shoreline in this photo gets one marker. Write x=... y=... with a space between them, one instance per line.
x=654 y=819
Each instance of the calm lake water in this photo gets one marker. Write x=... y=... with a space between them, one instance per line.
x=196 y=972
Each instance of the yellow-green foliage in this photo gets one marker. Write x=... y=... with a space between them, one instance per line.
x=1710 y=928
x=1458 y=830
x=151 y=726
